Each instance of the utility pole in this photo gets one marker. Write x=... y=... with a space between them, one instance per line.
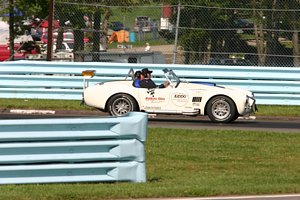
x=50 y=30
x=96 y=36
x=176 y=33
x=11 y=30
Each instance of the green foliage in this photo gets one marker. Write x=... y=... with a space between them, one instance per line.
x=193 y=41
x=38 y=8
x=42 y=104
x=193 y=163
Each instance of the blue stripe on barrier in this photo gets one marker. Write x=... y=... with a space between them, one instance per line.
x=75 y=151
x=62 y=173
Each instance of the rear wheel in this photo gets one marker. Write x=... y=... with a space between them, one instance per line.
x=121 y=104
x=221 y=109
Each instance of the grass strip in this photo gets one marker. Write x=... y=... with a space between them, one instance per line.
x=193 y=163
x=40 y=104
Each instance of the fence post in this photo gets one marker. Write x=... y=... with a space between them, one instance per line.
x=176 y=34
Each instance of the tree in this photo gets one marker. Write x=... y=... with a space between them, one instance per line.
x=258 y=16
x=194 y=42
x=268 y=21
x=217 y=18
x=26 y=9
x=38 y=8
x=213 y=24
x=97 y=13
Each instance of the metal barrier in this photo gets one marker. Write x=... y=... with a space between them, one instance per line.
x=73 y=150
x=63 y=80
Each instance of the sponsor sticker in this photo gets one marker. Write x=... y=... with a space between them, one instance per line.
x=152 y=108
x=155 y=99
x=180 y=98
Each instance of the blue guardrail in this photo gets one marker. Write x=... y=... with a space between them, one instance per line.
x=73 y=150
x=63 y=80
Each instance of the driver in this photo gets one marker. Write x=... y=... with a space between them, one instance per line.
x=138 y=77
x=148 y=83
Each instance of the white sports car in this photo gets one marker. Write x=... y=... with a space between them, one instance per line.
x=221 y=104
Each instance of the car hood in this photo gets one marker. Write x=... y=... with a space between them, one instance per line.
x=208 y=86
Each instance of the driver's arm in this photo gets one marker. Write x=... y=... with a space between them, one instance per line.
x=164 y=85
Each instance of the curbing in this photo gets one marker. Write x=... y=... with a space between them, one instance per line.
x=20 y=111
x=98 y=113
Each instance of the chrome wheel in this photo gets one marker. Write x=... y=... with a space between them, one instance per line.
x=121 y=104
x=221 y=109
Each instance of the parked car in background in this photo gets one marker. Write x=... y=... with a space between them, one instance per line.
x=20 y=51
x=142 y=23
x=67 y=37
x=66 y=47
x=5 y=53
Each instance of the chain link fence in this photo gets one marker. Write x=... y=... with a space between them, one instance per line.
x=180 y=34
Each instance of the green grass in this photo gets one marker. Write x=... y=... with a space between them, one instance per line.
x=186 y=163
x=266 y=110
x=128 y=17
x=263 y=110
x=43 y=104
x=189 y=163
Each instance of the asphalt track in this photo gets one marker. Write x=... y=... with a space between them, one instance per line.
x=259 y=123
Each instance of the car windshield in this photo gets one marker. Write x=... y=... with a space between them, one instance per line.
x=171 y=77
x=69 y=36
x=130 y=74
x=71 y=45
x=169 y=74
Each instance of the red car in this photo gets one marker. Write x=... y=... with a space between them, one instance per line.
x=68 y=37
x=19 y=51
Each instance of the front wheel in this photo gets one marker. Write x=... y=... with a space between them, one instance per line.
x=221 y=109
x=121 y=104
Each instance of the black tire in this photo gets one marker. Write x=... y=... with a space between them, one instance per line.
x=121 y=104
x=235 y=117
x=221 y=109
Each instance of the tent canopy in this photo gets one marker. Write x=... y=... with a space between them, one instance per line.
x=119 y=36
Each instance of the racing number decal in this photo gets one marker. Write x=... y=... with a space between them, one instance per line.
x=180 y=98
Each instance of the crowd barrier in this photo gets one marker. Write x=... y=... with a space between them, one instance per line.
x=73 y=150
x=63 y=80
